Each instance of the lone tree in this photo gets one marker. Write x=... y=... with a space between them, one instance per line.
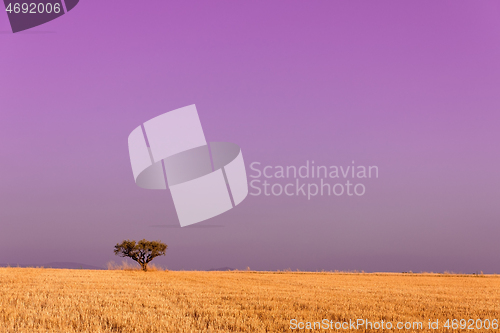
x=143 y=251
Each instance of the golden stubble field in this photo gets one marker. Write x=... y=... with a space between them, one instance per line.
x=60 y=300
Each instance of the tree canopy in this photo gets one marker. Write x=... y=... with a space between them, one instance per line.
x=142 y=251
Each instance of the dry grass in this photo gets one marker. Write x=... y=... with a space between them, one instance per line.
x=126 y=266
x=52 y=300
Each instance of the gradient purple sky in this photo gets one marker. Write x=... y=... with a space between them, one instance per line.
x=410 y=86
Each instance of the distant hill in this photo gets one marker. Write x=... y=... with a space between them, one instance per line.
x=67 y=265
x=70 y=265
x=222 y=269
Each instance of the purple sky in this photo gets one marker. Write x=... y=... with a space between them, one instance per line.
x=410 y=86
